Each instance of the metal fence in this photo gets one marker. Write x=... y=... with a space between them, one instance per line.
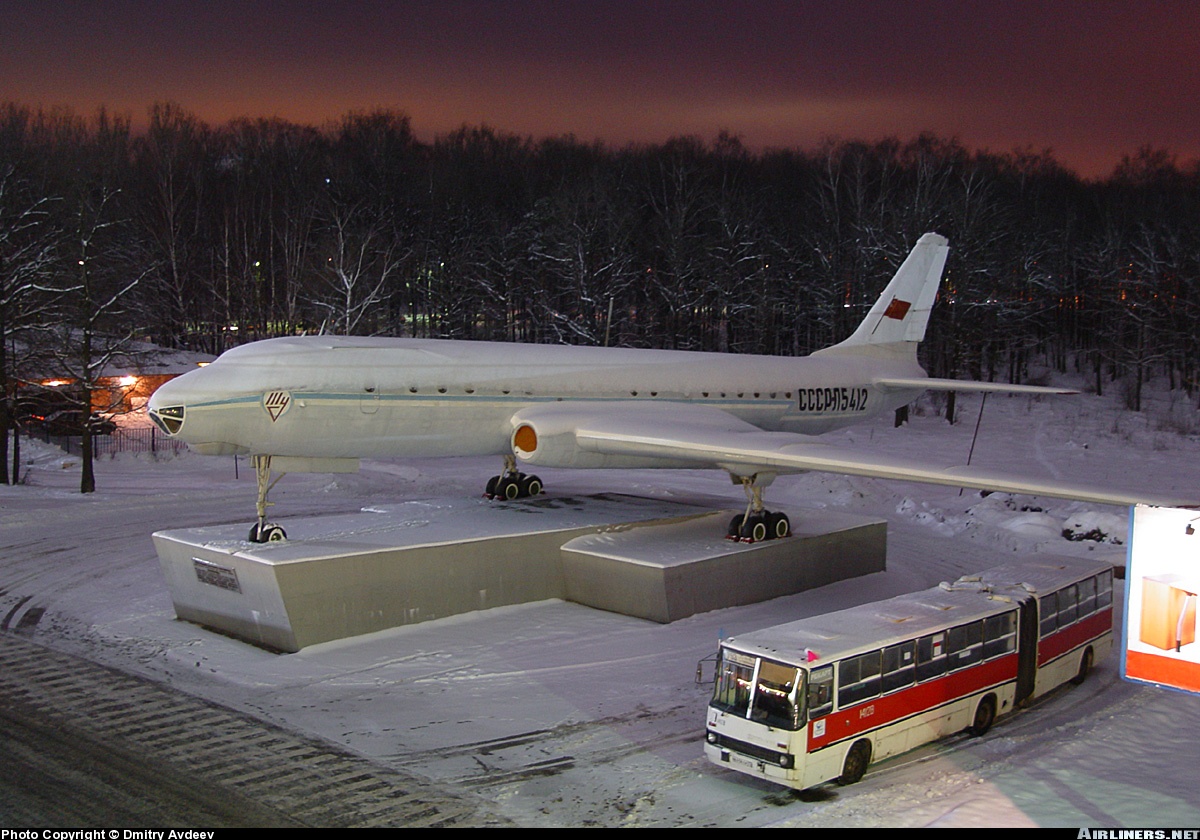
x=147 y=439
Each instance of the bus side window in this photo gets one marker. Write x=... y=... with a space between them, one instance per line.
x=999 y=634
x=931 y=656
x=899 y=666
x=1048 y=610
x=1087 y=597
x=964 y=644
x=858 y=678
x=1104 y=590
x=820 y=692
x=1068 y=605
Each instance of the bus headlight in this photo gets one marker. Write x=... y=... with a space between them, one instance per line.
x=712 y=737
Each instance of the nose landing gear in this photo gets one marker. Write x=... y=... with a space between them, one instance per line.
x=264 y=531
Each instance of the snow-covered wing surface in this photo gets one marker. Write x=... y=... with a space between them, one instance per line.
x=967 y=385
x=695 y=435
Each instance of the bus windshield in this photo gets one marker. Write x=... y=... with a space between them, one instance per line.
x=759 y=689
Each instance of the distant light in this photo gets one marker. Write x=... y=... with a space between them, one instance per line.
x=54 y=383
x=201 y=364
x=127 y=381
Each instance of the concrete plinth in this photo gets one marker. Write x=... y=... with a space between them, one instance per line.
x=673 y=570
x=341 y=576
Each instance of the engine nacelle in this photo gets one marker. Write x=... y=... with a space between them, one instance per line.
x=548 y=440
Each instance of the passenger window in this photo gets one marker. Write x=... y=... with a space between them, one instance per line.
x=931 y=656
x=1068 y=605
x=1104 y=590
x=999 y=634
x=858 y=678
x=899 y=666
x=820 y=692
x=964 y=644
x=1048 y=609
x=1087 y=597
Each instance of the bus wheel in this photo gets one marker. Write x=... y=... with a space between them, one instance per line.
x=856 y=763
x=1085 y=665
x=985 y=715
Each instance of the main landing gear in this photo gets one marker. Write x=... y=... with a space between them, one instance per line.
x=757 y=523
x=264 y=531
x=512 y=484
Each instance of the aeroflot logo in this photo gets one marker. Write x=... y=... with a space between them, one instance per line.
x=831 y=399
x=277 y=403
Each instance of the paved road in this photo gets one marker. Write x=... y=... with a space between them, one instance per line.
x=86 y=746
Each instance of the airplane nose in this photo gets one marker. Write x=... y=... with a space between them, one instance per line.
x=165 y=411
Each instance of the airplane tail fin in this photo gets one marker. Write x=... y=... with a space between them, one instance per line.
x=902 y=311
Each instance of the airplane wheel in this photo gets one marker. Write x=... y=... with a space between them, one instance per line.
x=778 y=525
x=490 y=491
x=508 y=489
x=531 y=486
x=755 y=528
x=267 y=533
x=735 y=528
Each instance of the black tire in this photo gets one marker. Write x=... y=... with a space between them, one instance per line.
x=509 y=489
x=985 y=716
x=735 y=527
x=856 y=763
x=779 y=526
x=531 y=486
x=267 y=533
x=490 y=491
x=1085 y=666
x=754 y=529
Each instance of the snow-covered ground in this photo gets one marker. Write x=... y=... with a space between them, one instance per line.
x=564 y=715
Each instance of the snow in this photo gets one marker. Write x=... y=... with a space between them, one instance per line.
x=564 y=715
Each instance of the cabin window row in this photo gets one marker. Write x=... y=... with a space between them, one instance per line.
x=928 y=657
x=1075 y=602
x=413 y=389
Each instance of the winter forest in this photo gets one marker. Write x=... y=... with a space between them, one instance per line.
x=202 y=237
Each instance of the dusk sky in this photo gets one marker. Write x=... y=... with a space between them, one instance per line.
x=1089 y=81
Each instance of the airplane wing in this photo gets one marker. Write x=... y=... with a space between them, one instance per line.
x=967 y=385
x=703 y=436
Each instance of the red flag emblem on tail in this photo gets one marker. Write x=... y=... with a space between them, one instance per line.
x=897 y=309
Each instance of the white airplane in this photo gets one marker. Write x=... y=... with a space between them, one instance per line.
x=319 y=403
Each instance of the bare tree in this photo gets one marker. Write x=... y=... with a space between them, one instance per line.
x=27 y=255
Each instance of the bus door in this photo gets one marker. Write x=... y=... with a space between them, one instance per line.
x=1027 y=648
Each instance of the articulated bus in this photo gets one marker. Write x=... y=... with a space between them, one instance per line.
x=819 y=699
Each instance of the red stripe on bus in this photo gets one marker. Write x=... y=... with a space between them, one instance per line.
x=1069 y=638
x=923 y=697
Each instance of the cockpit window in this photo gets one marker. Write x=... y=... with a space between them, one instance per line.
x=168 y=418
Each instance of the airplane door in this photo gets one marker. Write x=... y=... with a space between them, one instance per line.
x=368 y=403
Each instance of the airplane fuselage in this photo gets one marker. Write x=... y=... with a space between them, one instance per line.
x=342 y=397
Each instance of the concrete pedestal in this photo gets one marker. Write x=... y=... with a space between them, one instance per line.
x=342 y=576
